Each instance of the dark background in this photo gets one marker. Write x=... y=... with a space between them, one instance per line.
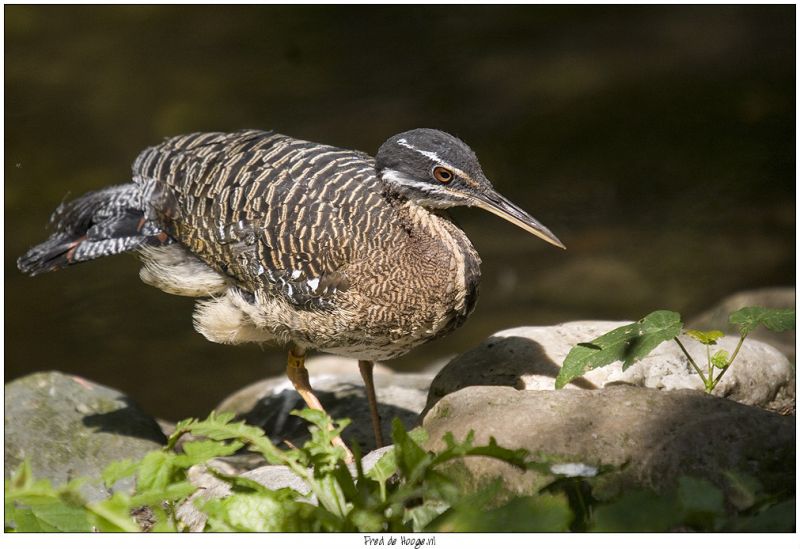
x=656 y=142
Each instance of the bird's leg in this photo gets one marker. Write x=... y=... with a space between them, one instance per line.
x=366 y=373
x=298 y=375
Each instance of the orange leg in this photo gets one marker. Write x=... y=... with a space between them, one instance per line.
x=298 y=375
x=366 y=373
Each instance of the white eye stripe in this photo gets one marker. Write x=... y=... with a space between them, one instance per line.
x=397 y=177
x=434 y=189
x=433 y=156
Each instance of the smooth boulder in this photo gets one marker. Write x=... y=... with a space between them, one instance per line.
x=530 y=357
x=639 y=437
x=69 y=427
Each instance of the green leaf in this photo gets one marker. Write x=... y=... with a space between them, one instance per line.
x=155 y=471
x=600 y=351
x=255 y=512
x=411 y=458
x=656 y=328
x=541 y=513
x=62 y=517
x=720 y=359
x=366 y=520
x=320 y=451
x=171 y=493
x=200 y=451
x=706 y=338
x=422 y=515
x=118 y=470
x=51 y=516
x=384 y=468
x=454 y=449
x=701 y=502
x=780 y=517
x=637 y=511
x=330 y=494
x=26 y=521
x=628 y=343
x=220 y=426
x=750 y=318
x=112 y=515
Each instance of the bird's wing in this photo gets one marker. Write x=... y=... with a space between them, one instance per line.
x=270 y=211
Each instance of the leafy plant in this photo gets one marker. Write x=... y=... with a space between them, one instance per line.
x=406 y=491
x=633 y=342
x=403 y=492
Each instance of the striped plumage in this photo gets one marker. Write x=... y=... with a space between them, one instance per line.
x=289 y=241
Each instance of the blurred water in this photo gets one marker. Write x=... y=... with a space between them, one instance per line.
x=656 y=142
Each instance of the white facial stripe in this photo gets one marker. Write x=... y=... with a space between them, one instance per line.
x=399 y=178
x=433 y=156
x=428 y=154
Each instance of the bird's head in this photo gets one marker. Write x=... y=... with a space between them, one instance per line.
x=438 y=171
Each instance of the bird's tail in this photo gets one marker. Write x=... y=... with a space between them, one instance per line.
x=99 y=223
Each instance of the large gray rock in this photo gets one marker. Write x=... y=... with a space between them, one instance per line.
x=716 y=318
x=69 y=427
x=649 y=438
x=338 y=385
x=530 y=358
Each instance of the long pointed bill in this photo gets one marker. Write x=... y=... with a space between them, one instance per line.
x=499 y=205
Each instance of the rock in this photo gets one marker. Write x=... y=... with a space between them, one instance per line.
x=649 y=438
x=273 y=477
x=69 y=427
x=530 y=358
x=338 y=385
x=716 y=318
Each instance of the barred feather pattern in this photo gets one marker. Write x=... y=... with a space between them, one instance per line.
x=100 y=223
x=265 y=209
x=302 y=242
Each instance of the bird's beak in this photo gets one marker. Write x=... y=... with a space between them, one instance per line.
x=496 y=203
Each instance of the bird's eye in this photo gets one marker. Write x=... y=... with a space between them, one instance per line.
x=442 y=175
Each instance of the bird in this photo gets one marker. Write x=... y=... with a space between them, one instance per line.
x=293 y=243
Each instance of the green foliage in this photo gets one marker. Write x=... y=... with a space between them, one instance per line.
x=694 y=505
x=35 y=506
x=628 y=343
x=540 y=513
x=706 y=338
x=403 y=492
x=750 y=318
x=720 y=359
x=406 y=491
x=633 y=342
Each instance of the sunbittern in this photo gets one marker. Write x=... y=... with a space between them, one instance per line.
x=297 y=243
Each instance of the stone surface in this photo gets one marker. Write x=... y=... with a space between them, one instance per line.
x=648 y=437
x=529 y=357
x=69 y=427
x=338 y=385
x=273 y=477
x=716 y=318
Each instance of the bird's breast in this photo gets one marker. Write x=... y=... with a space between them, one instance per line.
x=421 y=286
